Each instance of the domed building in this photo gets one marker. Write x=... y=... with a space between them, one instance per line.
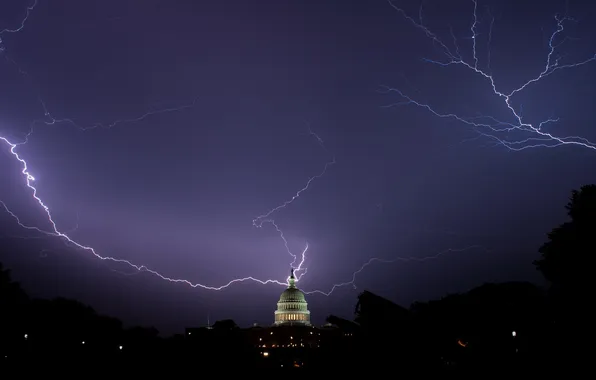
x=292 y=309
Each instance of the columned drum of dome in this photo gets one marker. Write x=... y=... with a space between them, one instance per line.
x=292 y=308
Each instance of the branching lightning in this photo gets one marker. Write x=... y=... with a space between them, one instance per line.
x=54 y=231
x=20 y=27
x=29 y=179
x=373 y=260
x=50 y=120
x=488 y=126
x=266 y=218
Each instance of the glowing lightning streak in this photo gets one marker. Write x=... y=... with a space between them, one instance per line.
x=258 y=222
x=20 y=27
x=29 y=179
x=266 y=218
x=539 y=137
x=55 y=232
x=51 y=120
x=390 y=261
x=298 y=267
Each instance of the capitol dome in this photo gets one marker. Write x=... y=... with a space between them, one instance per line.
x=292 y=308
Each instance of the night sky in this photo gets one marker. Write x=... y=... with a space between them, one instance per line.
x=172 y=125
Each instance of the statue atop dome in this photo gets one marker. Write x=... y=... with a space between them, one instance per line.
x=292 y=279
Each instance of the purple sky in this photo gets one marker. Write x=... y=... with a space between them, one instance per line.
x=178 y=191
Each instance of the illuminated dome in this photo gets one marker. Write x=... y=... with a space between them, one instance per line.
x=292 y=308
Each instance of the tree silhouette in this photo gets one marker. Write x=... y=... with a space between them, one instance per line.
x=225 y=324
x=10 y=291
x=13 y=301
x=566 y=263
x=566 y=256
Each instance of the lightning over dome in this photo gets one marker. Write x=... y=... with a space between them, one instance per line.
x=188 y=153
x=292 y=308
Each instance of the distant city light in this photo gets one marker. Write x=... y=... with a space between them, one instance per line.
x=83 y=342
x=513 y=333
x=119 y=347
x=265 y=354
x=26 y=336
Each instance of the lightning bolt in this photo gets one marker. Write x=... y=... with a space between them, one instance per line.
x=373 y=260
x=259 y=221
x=266 y=218
x=50 y=120
x=56 y=232
x=488 y=126
x=20 y=27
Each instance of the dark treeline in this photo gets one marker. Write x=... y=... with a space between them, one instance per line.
x=492 y=328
